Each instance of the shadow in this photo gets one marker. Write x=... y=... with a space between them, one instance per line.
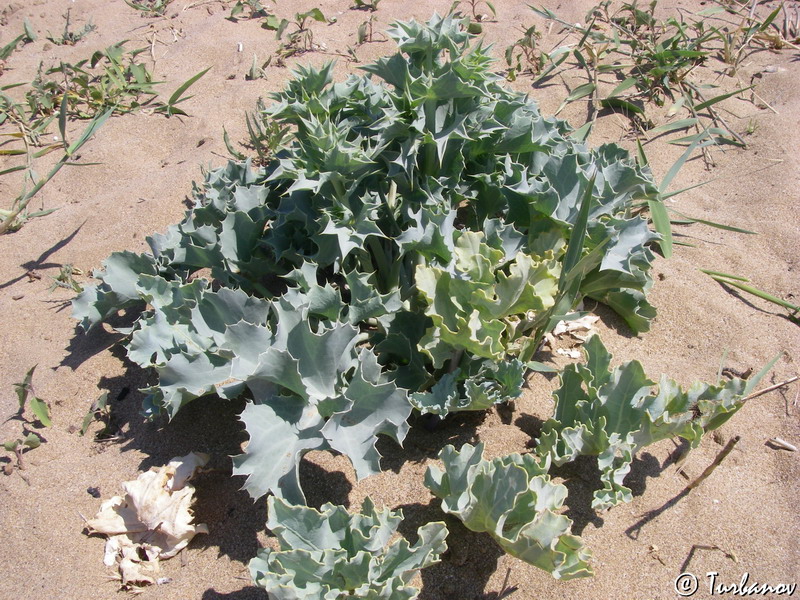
x=470 y=560
x=644 y=465
x=581 y=477
x=504 y=592
x=40 y=263
x=745 y=299
x=234 y=520
x=612 y=320
x=247 y=593
x=321 y=486
x=634 y=530
x=530 y=426
x=506 y=411
x=83 y=346
x=696 y=547
x=208 y=425
x=428 y=436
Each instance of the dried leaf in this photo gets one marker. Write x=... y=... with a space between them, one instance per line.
x=152 y=520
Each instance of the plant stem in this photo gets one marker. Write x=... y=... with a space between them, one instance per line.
x=715 y=463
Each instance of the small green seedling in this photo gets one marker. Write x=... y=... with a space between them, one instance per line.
x=41 y=412
x=650 y=62
x=370 y=5
x=301 y=39
x=99 y=411
x=474 y=6
x=256 y=70
x=170 y=108
x=13 y=219
x=736 y=43
x=789 y=28
x=266 y=135
x=366 y=33
x=70 y=38
x=28 y=35
x=526 y=57
x=152 y=8
x=18 y=447
x=27 y=395
x=255 y=10
x=66 y=279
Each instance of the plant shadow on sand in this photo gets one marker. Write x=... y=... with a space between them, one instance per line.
x=427 y=436
x=466 y=566
x=84 y=345
x=42 y=262
x=248 y=593
x=211 y=425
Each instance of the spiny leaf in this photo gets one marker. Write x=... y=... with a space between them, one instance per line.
x=513 y=499
x=330 y=553
x=612 y=414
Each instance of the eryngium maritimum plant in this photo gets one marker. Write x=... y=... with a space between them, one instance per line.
x=413 y=241
x=332 y=554
x=612 y=414
x=513 y=499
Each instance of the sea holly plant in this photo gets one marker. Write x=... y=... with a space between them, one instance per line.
x=514 y=500
x=612 y=414
x=331 y=554
x=409 y=244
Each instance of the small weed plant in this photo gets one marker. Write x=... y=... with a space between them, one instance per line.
x=69 y=37
x=150 y=8
x=28 y=440
x=634 y=60
x=111 y=81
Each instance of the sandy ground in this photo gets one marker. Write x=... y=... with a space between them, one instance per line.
x=747 y=508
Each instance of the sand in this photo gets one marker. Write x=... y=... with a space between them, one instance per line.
x=747 y=508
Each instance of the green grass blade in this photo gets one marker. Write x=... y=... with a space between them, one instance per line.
x=578 y=236
x=582 y=132
x=90 y=130
x=628 y=83
x=714 y=224
x=758 y=293
x=686 y=189
x=41 y=411
x=673 y=126
x=62 y=119
x=658 y=213
x=720 y=98
x=12 y=170
x=678 y=165
x=540 y=367
x=755 y=379
x=9 y=48
x=623 y=104
x=721 y=274
x=579 y=92
x=176 y=96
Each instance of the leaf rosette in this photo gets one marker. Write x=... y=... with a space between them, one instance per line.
x=331 y=554
x=514 y=500
x=406 y=246
x=612 y=414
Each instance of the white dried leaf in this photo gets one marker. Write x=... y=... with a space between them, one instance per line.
x=134 y=570
x=571 y=352
x=153 y=520
x=580 y=328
